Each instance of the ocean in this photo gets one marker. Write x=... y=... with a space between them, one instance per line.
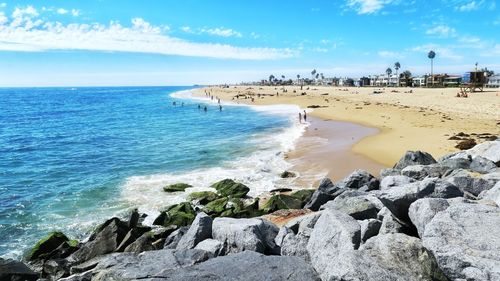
x=73 y=157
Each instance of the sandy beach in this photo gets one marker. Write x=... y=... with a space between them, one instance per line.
x=423 y=119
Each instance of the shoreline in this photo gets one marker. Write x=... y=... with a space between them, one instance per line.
x=423 y=119
x=320 y=137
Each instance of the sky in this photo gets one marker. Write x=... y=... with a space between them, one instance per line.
x=165 y=42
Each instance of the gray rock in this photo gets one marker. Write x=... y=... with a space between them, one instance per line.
x=403 y=257
x=389 y=172
x=359 y=207
x=420 y=172
x=455 y=163
x=16 y=270
x=464 y=239
x=398 y=199
x=471 y=182
x=239 y=235
x=246 y=265
x=390 y=224
x=414 y=158
x=492 y=194
x=334 y=234
x=104 y=240
x=131 y=266
x=200 y=229
x=423 y=210
x=294 y=236
x=85 y=276
x=482 y=165
x=212 y=246
x=369 y=228
x=326 y=191
x=359 y=179
x=489 y=150
x=141 y=244
x=173 y=239
x=131 y=236
x=391 y=181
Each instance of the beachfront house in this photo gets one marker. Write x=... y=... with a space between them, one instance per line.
x=419 y=81
x=436 y=80
x=452 y=81
x=493 y=81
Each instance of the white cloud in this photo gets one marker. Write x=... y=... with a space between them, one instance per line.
x=442 y=30
x=3 y=18
x=75 y=12
x=62 y=11
x=368 y=6
x=3 y=5
x=441 y=51
x=26 y=33
x=220 y=31
x=471 y=6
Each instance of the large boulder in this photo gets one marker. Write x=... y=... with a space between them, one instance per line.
x=141 y=244
x=420 y=172
x=12 y=270
x=181 y=214
x=414 y=158
x=359 y=179
x=294 y=236
x=391 y=224
x=399 y=198
x=326 y=191
x=231 y=188
x=391 y=181
x=200 y=229
x=239 y=235
x=464 y=239
x=46 y=245
x=105 y=239
x=214 y=247
x=423 y=210
x=492 y=194
x=360 y=207
x=482 y=165
x=173 y=238
x=132 y=266
x=402 y=257
x=176 y=187
x=303 y=195
x=334 y=234
x=489 y=150
x=280 y=202
x=247 y=265
x=203 y=197
x=131 y=236
x=471 y=182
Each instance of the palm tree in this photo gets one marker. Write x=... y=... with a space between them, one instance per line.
x=397 y=66
x=389 y=72
x=432 y=55
x=298 y=80
x=271 y=79
x=313 y=73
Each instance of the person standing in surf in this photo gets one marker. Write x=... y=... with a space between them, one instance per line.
x=300 y=117
x=305 y=116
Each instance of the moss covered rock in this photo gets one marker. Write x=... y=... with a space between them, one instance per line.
x=203 y=197
x=231 y=188
x=304 y=195
x=216 y=207
x=181 y=214
x=46 y=245
x=176 y=187
x=280 y=202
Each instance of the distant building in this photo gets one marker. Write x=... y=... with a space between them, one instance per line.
x=494 y=81
x=436 y=80
x=419 y=81
x=452 y=81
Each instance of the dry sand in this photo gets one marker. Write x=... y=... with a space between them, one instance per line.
x=421 y=120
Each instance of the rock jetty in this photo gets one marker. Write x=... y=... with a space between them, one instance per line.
x=423 y=219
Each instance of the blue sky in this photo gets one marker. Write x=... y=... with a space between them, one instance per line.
x=104 y=42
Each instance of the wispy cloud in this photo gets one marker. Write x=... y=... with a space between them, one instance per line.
x=441 y=51
x=471 y=6
x=391 y=54
x=24 y=31
x=442 y=31
x=62 y=11
x=218 y=31
x=3 y=5
x=367 y=6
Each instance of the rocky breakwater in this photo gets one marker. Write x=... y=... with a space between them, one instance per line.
x=423 y=219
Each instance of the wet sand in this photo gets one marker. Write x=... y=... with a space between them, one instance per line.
x=326 y=148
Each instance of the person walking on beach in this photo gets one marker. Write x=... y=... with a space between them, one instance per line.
x=305 y=116
x=300 y=117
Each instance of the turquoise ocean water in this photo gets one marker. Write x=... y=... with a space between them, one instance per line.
x=72 y=157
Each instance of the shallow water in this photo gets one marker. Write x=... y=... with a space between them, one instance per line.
x=71 y=158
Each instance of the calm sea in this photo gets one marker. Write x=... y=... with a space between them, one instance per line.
x=72 y=157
